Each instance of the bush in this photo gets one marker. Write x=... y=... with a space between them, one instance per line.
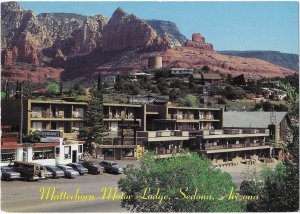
x=233 y=93
x=3 y=95
x=221 y=101
x=190 y=100
x=53 y=88
x=170 y=176
x=268 y=106
x=154 y=89
x=174 y=94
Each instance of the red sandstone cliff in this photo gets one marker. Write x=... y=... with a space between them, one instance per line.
x=126 y=31
x=198 y=41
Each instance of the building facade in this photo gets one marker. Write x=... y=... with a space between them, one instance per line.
x=133 y=129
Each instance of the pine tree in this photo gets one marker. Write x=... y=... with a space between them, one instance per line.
x=94 y=129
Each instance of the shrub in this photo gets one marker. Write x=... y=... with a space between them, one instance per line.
x=190 y=100
x=233 y=93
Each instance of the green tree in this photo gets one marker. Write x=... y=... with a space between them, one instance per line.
x=154 y=89
x=279 y=192
x=190 y=100
x=33 y=137
x=174 y=94
x=119 y=84
x=232 y=93
x=187 y=173
x=53 y=88
x=3 y=95
x=280 y=189
x=293 y=98
x=93 y=130
x=205 y=68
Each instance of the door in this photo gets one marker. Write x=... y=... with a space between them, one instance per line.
x=53 y=125
x=74 y=156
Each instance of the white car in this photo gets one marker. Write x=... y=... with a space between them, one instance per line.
x=69 y=171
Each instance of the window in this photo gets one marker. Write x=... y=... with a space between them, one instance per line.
x=36 y=111
x=114 y=126
x=108 y=152
x=79 y=112
x=67 y=152
x=43 y=153
x=8 y=155
x=128 y=152
x=80 y=148
x=37 y=125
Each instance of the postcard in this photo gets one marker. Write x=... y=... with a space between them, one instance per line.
x=152 y=106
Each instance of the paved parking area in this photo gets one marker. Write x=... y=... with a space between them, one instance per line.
x=242 y=172
x=22 y=196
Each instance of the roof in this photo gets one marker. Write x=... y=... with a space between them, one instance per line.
x=251 y=119
x=182 y=69
x=197 y=76
x=211 y=76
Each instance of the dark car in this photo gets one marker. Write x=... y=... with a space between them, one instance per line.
x=8 y=174
x=79 y=168
x=112 y=167
x=93 y=168
x=56 y=172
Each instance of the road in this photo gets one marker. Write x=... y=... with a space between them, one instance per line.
x=22 y=196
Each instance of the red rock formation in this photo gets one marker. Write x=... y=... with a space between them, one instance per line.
x=59 y=60
x=126 y=31
x=161 y=44
x=34 y=74
x=198 y=41
x=9 y=56
x=89 y=36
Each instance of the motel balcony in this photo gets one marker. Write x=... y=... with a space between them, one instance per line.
x=163 y=135
x=76 y=114
x=233 y=146
x=61 y=115
x=119 y=116
x=233 y=132
x=181 y=116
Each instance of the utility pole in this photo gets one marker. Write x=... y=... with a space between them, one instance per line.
x=21 y=121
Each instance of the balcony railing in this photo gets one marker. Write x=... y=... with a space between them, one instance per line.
x=163 y=133
x=167 y=151
x=246 y=131
x=47 y=115
x=76 y=115
x=232 y=146
x=119 y=116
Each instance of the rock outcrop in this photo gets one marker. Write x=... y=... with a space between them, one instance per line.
x=198 y=41
x=124 y=31
x=84 y=46
x=58 y=60
x=90 y=36
x=169 y=29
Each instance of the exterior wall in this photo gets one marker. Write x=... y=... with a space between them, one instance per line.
x=155 y=62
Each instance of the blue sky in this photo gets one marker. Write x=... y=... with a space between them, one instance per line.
x=227 y=25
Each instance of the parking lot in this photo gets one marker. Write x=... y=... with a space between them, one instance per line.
x=22 y=196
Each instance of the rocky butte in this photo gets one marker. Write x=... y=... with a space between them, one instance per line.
x=75 y=46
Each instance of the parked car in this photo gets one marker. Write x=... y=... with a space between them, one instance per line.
x=30 y=171
x=79 y=168
x=69 y=171
x=93 y=168
x=8 y=174
x=111 y=167
x=56 y=172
